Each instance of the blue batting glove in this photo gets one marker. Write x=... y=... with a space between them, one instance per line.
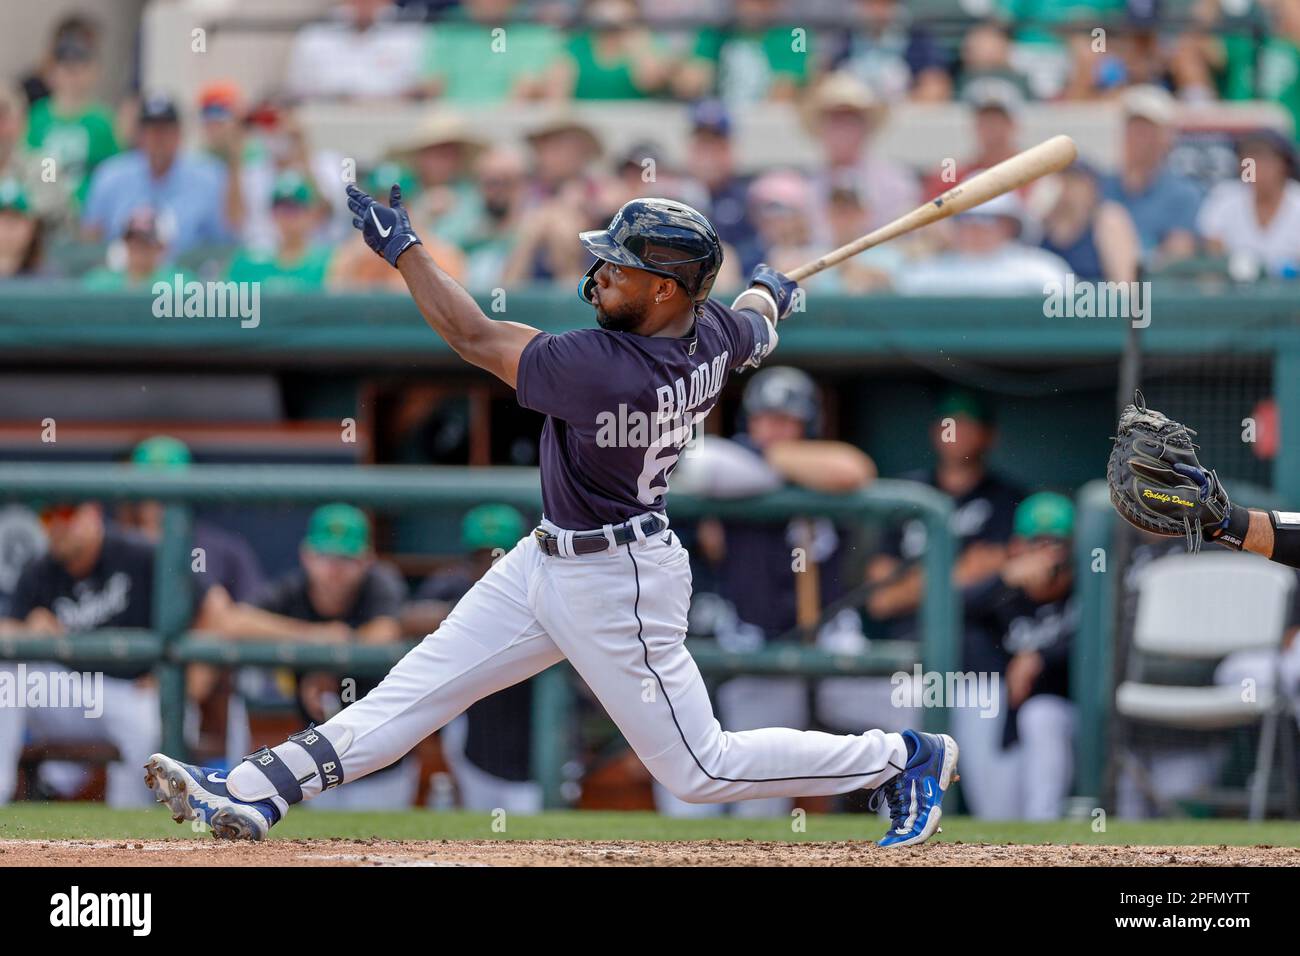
x=386 y=229
x=781 y=286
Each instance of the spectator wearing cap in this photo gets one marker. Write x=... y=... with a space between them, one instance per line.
x=441 y=154
x=257 y=144
x=1095 y=237
x=364 y=52
x=1162 y=203
x=342 y=590
x=298 y=262
x=987 y=257
x=489 y=747
x=21 y=232
x=844 y=115
x=73 y=28
x=69 y=126
x=962 y=433
x=995 y=105
x=1019 y=765
x=1258 y=219
x=752 y=59
x=135 y=260
x=566 y=195
x=894 y=56
x=564 y=149
x=465 y=63
x=228 y=558
x=711 y=161
x=782 y=206
x=187 y=191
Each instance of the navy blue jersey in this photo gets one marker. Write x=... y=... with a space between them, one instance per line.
x=621 y=407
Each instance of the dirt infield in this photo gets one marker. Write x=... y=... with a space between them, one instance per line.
x=614 y=853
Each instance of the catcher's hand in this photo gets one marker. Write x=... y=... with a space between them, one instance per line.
x=1157 y=484
x=386 y=229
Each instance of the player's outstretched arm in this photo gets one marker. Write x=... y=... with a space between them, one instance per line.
x=448 y=308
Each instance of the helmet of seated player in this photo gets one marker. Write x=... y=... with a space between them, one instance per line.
x=660 y=236
x=786 y=390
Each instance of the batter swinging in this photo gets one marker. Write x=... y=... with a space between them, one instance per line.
x=603 y=582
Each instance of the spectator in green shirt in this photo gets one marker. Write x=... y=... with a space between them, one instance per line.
x=487 y=55
x=616 y=57
x=69 y=126
x=298 y=263
x=756 y=59
x=141 y=257
x=1269 y=69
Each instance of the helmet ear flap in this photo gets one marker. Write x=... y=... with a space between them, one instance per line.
x=587 y=284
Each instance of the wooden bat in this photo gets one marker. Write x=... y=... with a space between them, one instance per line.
x=1050 y=156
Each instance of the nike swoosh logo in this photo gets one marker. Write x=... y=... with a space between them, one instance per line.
x=667 y=539
x=929 y=789
x=213 y=778
x=385 y=233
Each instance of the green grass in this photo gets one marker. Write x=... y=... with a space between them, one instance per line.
x=32 y=821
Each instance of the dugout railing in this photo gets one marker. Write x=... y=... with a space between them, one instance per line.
x=171 y=645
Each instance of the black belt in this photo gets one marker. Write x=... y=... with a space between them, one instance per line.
x=593 y=542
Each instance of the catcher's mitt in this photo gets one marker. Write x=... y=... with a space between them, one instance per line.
x=1157 y=484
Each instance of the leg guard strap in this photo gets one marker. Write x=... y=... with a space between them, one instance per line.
x=328 y=765
x=278 y=773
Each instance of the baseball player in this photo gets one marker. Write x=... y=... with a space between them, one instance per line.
x=603 y=581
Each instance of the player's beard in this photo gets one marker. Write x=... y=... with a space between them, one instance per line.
x=623 y=319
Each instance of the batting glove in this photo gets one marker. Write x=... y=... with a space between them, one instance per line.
x=386 y=229
x=779 y=286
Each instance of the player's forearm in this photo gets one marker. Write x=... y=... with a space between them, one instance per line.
x=828 y=466
x=448 y=308
x=453 y=314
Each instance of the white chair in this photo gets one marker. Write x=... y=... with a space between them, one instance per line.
x=1203 y=607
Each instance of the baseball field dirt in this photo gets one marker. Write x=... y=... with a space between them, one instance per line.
x=377 y=852
x=70 y=834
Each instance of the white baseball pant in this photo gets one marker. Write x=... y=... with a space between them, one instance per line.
x=619 y=617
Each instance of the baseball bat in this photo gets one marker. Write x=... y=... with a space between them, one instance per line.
x=1049 y=156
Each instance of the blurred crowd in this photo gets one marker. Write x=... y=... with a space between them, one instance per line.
x=116 y=196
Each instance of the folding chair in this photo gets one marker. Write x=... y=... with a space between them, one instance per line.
x=1204 y=607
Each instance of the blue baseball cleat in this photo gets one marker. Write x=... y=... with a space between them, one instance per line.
x=200 y=794
x=915 y=795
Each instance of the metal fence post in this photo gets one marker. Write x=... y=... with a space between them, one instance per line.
x=552 y=708
x=173 y=610
x=941 y=609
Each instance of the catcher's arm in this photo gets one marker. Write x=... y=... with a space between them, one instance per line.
x=1157 y=485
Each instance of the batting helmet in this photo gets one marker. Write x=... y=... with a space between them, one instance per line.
x=660 y=236
x=785 y=390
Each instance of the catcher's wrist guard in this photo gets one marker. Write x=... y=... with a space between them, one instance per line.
x=1157 y=485
x=1286 y=537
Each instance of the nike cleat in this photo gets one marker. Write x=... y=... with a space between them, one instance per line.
x=915 y=795
x=199 y=794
